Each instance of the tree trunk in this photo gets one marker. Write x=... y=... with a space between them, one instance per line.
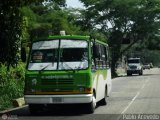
x=115 y=42
x=115 y=57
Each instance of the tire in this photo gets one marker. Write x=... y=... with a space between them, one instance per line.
x=35 y=108
x=129 y=74
x=91 y=106
x=141 y=72
x=104 y=100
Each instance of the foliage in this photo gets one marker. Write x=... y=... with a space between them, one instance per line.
x=10 y=31
x=51 y=21
x=134 y=20
x=154 y=57
x=12 y=28
x=11 y=84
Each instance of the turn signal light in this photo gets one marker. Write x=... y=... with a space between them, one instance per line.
x=88 y=90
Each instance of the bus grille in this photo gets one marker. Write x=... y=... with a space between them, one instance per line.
x=57 y=81
x=133 y=67
x=55 y=85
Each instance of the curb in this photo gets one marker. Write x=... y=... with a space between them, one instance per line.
x=17 y=104
x=12 y=109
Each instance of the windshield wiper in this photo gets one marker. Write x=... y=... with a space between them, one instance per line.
x=79 y=66
x=70 y=68
x=43 y=68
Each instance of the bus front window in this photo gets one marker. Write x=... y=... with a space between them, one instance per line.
x=43 y=56
x=75 y=58
x=74 y=54
x=44 y=53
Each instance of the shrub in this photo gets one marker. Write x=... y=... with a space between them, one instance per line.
x=11 y=84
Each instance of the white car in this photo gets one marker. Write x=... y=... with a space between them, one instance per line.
x=146 y=66
x=134 y=66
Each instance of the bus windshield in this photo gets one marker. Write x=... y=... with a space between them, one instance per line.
x=74 y=54
x=43 y=56
x=59 y=55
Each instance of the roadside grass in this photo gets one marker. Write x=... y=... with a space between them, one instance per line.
x=121 y=71
x=11 y=84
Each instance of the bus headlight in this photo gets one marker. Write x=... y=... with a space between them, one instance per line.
x=34 y=81
x=32 y=90
x=81 y=89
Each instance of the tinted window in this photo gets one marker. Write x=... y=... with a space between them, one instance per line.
x=73 y=54
x=134 y=61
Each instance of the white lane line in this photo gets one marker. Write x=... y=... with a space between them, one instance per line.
x=130 y=103
x=134 y=97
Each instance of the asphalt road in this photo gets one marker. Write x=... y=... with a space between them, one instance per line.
x=133 y=97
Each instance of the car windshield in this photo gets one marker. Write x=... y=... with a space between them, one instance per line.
x=134 y=61
x=59 y=55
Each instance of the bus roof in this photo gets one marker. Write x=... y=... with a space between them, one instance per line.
x=68 y=37
x=133 y=58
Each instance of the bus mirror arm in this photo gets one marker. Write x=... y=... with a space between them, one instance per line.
x=94 y=70
x=23 y=54
x=108 y=64
x=96 y=53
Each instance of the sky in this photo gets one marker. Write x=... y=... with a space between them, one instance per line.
x=74 y=3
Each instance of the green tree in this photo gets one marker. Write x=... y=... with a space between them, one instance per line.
x=129 y=20
x=10 y=31
x=11 y=23
x=53 y=20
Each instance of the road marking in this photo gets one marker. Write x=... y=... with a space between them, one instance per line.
x=135 y=96
x=130 y=103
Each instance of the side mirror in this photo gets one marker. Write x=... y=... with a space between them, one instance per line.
x=96 y=53
x=23 y=54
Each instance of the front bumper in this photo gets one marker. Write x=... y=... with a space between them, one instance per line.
x=133 y=71
x=58 y=99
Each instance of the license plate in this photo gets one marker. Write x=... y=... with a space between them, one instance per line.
x=57 y=100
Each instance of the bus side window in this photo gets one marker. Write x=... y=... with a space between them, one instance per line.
x=100 y=56
x=96 y=56
x=107 y=57
x=103 y=56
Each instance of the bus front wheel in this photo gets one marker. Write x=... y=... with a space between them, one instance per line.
x=35 y=108
x=91 y=106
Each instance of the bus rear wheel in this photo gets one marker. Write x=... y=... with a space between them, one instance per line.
x=104 y=100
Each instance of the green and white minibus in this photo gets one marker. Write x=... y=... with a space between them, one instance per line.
x=67 y=70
